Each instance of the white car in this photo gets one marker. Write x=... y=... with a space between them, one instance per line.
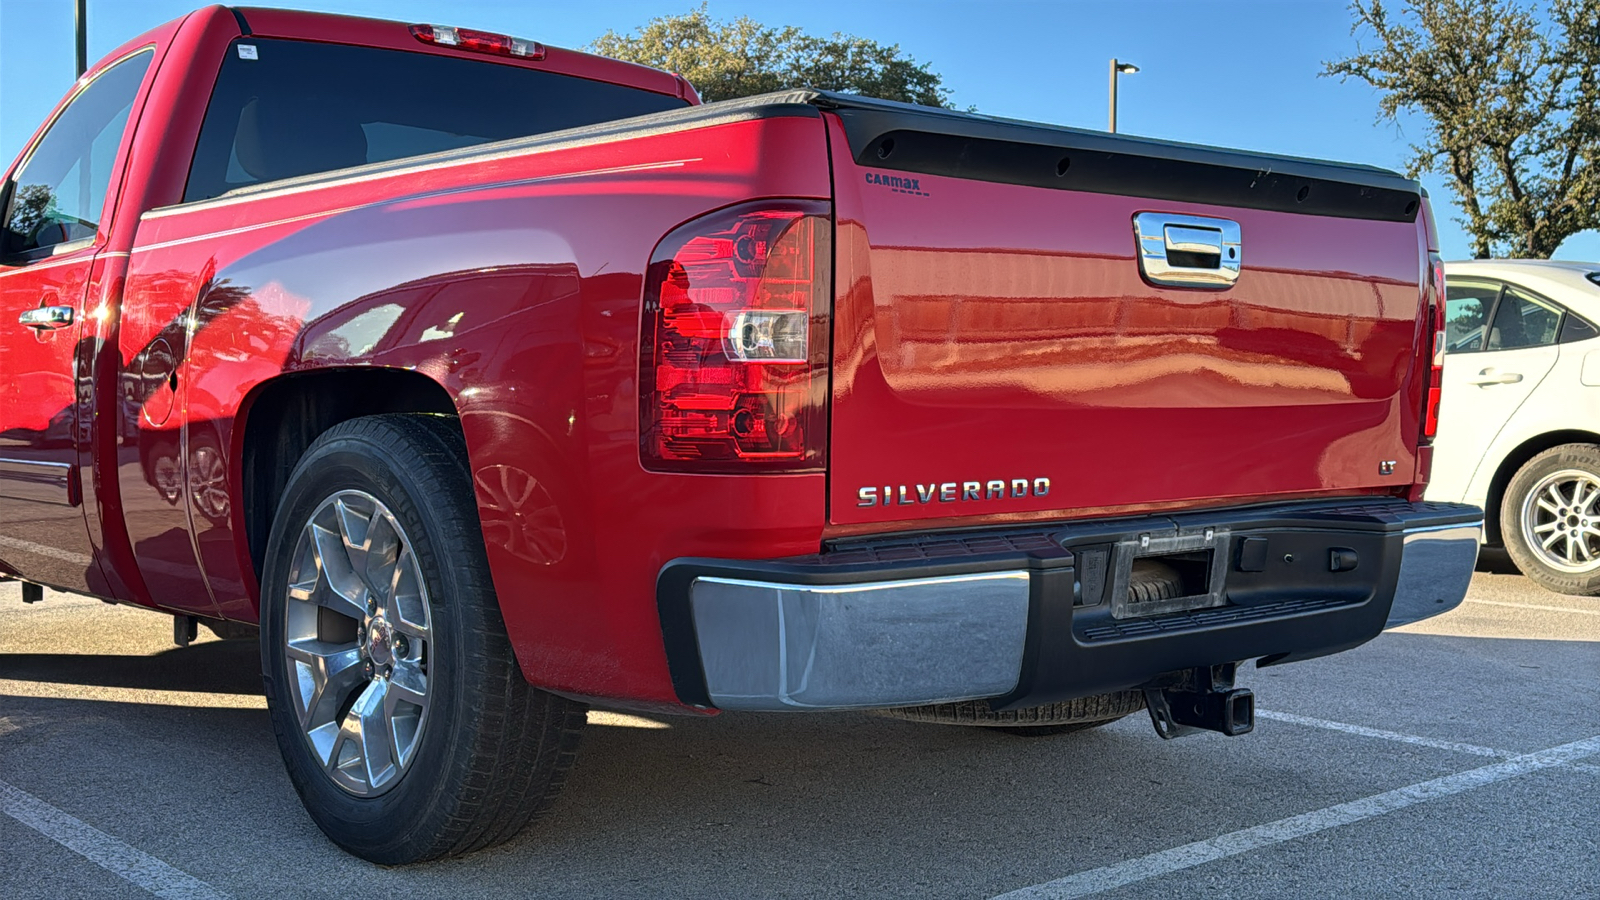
x=1519 y=423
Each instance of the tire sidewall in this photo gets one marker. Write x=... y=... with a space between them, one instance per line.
x=1585 y=457
x=347 y=462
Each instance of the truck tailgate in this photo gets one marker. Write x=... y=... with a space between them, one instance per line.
x=998 y=351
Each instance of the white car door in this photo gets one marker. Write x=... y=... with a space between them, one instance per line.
x=1500 y=343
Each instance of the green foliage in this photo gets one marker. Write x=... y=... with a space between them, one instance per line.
x=1512 y=104
x=741 y=58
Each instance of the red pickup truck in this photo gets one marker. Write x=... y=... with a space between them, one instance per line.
x=493 y=380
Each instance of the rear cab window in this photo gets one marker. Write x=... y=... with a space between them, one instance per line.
x=285 y=108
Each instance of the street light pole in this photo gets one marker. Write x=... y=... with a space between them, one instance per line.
x=80 y=22
x=1117 y=68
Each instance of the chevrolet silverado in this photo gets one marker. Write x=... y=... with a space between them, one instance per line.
x=487 y=381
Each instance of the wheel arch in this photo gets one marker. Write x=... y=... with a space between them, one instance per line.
x=282 y=416
x=1516 y=459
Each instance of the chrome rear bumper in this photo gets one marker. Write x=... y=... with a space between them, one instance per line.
x=766 y=645
x=1020 y=618
x=1435 y=571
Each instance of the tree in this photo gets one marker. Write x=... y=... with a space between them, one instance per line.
x=1512 y=105
x=724 y=60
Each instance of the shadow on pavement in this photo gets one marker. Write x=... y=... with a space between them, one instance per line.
x=217 y=667
x=1497 y=561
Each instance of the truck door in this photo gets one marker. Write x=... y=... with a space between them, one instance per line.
x=51 y=212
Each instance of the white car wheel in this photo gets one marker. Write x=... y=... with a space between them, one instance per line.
x=1550 y=517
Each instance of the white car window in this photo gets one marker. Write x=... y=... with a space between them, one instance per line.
x=1574 y=329
x=1466 y=312
x=1523 y=321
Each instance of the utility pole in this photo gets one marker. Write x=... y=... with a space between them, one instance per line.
x=80 y=21
x=1117 y=68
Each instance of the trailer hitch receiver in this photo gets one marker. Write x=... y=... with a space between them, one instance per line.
x=1200 y=699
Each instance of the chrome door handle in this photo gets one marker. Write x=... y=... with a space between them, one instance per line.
x=1188 y=251
x=47 y=317
x=1492 y=375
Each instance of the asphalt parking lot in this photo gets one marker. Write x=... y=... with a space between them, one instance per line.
x=1459 y=757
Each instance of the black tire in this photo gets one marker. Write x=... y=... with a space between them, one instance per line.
x=493 y=752
x=1580 y=459
x=1150 y=580
x=1033 y=731
x=1034 y=721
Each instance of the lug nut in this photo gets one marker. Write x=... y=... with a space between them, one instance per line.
x=367 y=669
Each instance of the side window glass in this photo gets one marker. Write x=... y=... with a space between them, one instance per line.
x=1466 y=312
x=1576 y=329
x=1523 y=321
x=60 y=190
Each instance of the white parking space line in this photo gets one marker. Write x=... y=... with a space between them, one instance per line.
x=1563 y=609
x=1364 y=731
x=103 y=850
x=1200 y=852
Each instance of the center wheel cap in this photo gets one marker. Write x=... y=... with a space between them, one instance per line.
x=380 y=638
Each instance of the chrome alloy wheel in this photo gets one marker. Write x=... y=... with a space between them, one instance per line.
x=358 y=641
x=1561 y=521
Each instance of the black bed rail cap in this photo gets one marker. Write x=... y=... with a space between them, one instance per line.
x=888 y=134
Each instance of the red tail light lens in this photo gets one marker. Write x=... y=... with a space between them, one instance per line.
x=478 y=41
x=1436 y=301
x=734 y=342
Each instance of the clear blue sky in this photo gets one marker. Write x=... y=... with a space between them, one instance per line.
x=1237 y=73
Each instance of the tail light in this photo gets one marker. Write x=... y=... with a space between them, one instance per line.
x=477 y=41
x=734 y=342
x=1436 y=301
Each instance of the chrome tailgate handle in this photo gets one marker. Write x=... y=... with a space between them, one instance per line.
x=1186 y=239
x=1188 y=251
x=47 y=317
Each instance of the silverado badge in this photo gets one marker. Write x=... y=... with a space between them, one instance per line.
x=951 y=492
